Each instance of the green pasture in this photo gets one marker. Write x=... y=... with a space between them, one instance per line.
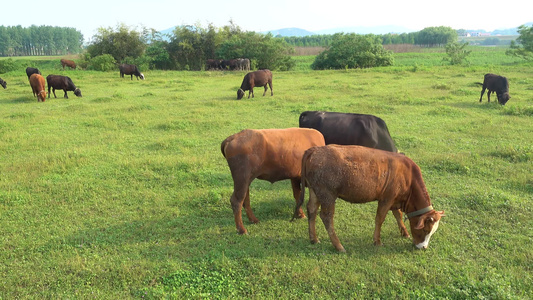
x=124 y=193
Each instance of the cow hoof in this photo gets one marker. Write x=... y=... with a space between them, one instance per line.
x=378 y=244
x=242 y=232
x=315 y=241
x=341 y=249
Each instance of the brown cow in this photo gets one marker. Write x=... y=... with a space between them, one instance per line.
x=69 y=63
x=267 y=154
x=253 y=79
x=37 y=86
x=359 y=174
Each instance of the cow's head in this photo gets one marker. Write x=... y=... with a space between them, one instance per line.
x=77 y=92
x=424 y=226
x=240 y=94
x=3 y=83
x=503 y=98
x=142 y=76
x=41 y=96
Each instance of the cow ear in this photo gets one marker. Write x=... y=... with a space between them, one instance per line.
x=420 y=223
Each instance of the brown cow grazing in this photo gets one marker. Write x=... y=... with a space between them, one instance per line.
x=126 y=69
x=69 y=63
x=61 y=83
x=495 y=83
x=3 y=83
x=30 y=71
x=267 y=154
x=37 y=86
x=253 y=79
x=359 y=174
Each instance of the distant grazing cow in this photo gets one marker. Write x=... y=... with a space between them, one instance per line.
x=253 y=79
x=495 y=83
x=37 y=86
x=267 y=154
x=349 y=129
x=69 y=63
x=3 y=83
x=61 y=83
x=212 y=64
x=126 y=69
x=30 y=71
x=242 y=64
x=358 y=175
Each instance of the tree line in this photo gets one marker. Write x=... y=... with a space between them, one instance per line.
x=39 y=40
x=430 y=37
x=186 y=48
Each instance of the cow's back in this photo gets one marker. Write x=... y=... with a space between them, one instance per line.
x=349 y=129
x=271 y=154
x=358 y=174
x=37 y=82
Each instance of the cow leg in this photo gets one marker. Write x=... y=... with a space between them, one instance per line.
x=54 y=90
x=66 y=96
x=237 y=200
x=482 y=92
x=248 y=208
x=271 y=90
x=312 y=208
x=266 y=88
x=251 y=91
x=488 y=95
x=398 y=215
x=380 y=218
x=296 y=191
x=327 y=212
x=49 y=95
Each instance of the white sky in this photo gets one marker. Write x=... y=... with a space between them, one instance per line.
x=312 y=15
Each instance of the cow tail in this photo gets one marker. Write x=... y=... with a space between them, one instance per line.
x=301 y=200
x=223 y=147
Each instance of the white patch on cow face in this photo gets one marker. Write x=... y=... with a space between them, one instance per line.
x=142 y=76
x=425 y=243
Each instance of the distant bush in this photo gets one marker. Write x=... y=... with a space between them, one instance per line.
x=456 y=53
x=353 y=51
x=104 y=62
x=7 y=65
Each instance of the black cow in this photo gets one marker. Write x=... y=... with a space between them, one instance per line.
x=126 y=69
x=3 y=83
x=350 y=129
x=495 y=83
x=61 y=83
x=30 y=71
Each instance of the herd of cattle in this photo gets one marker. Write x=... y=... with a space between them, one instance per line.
x=239 y=64
x=59 y=82
x=336 y=155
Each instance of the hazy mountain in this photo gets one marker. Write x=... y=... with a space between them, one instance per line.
x=290 y=32
x=384 y=29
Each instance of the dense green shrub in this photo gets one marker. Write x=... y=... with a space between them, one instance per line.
x=353 y=51
x=104 y=62
x=7 y=65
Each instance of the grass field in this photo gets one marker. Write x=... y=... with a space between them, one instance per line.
x=124 y=193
